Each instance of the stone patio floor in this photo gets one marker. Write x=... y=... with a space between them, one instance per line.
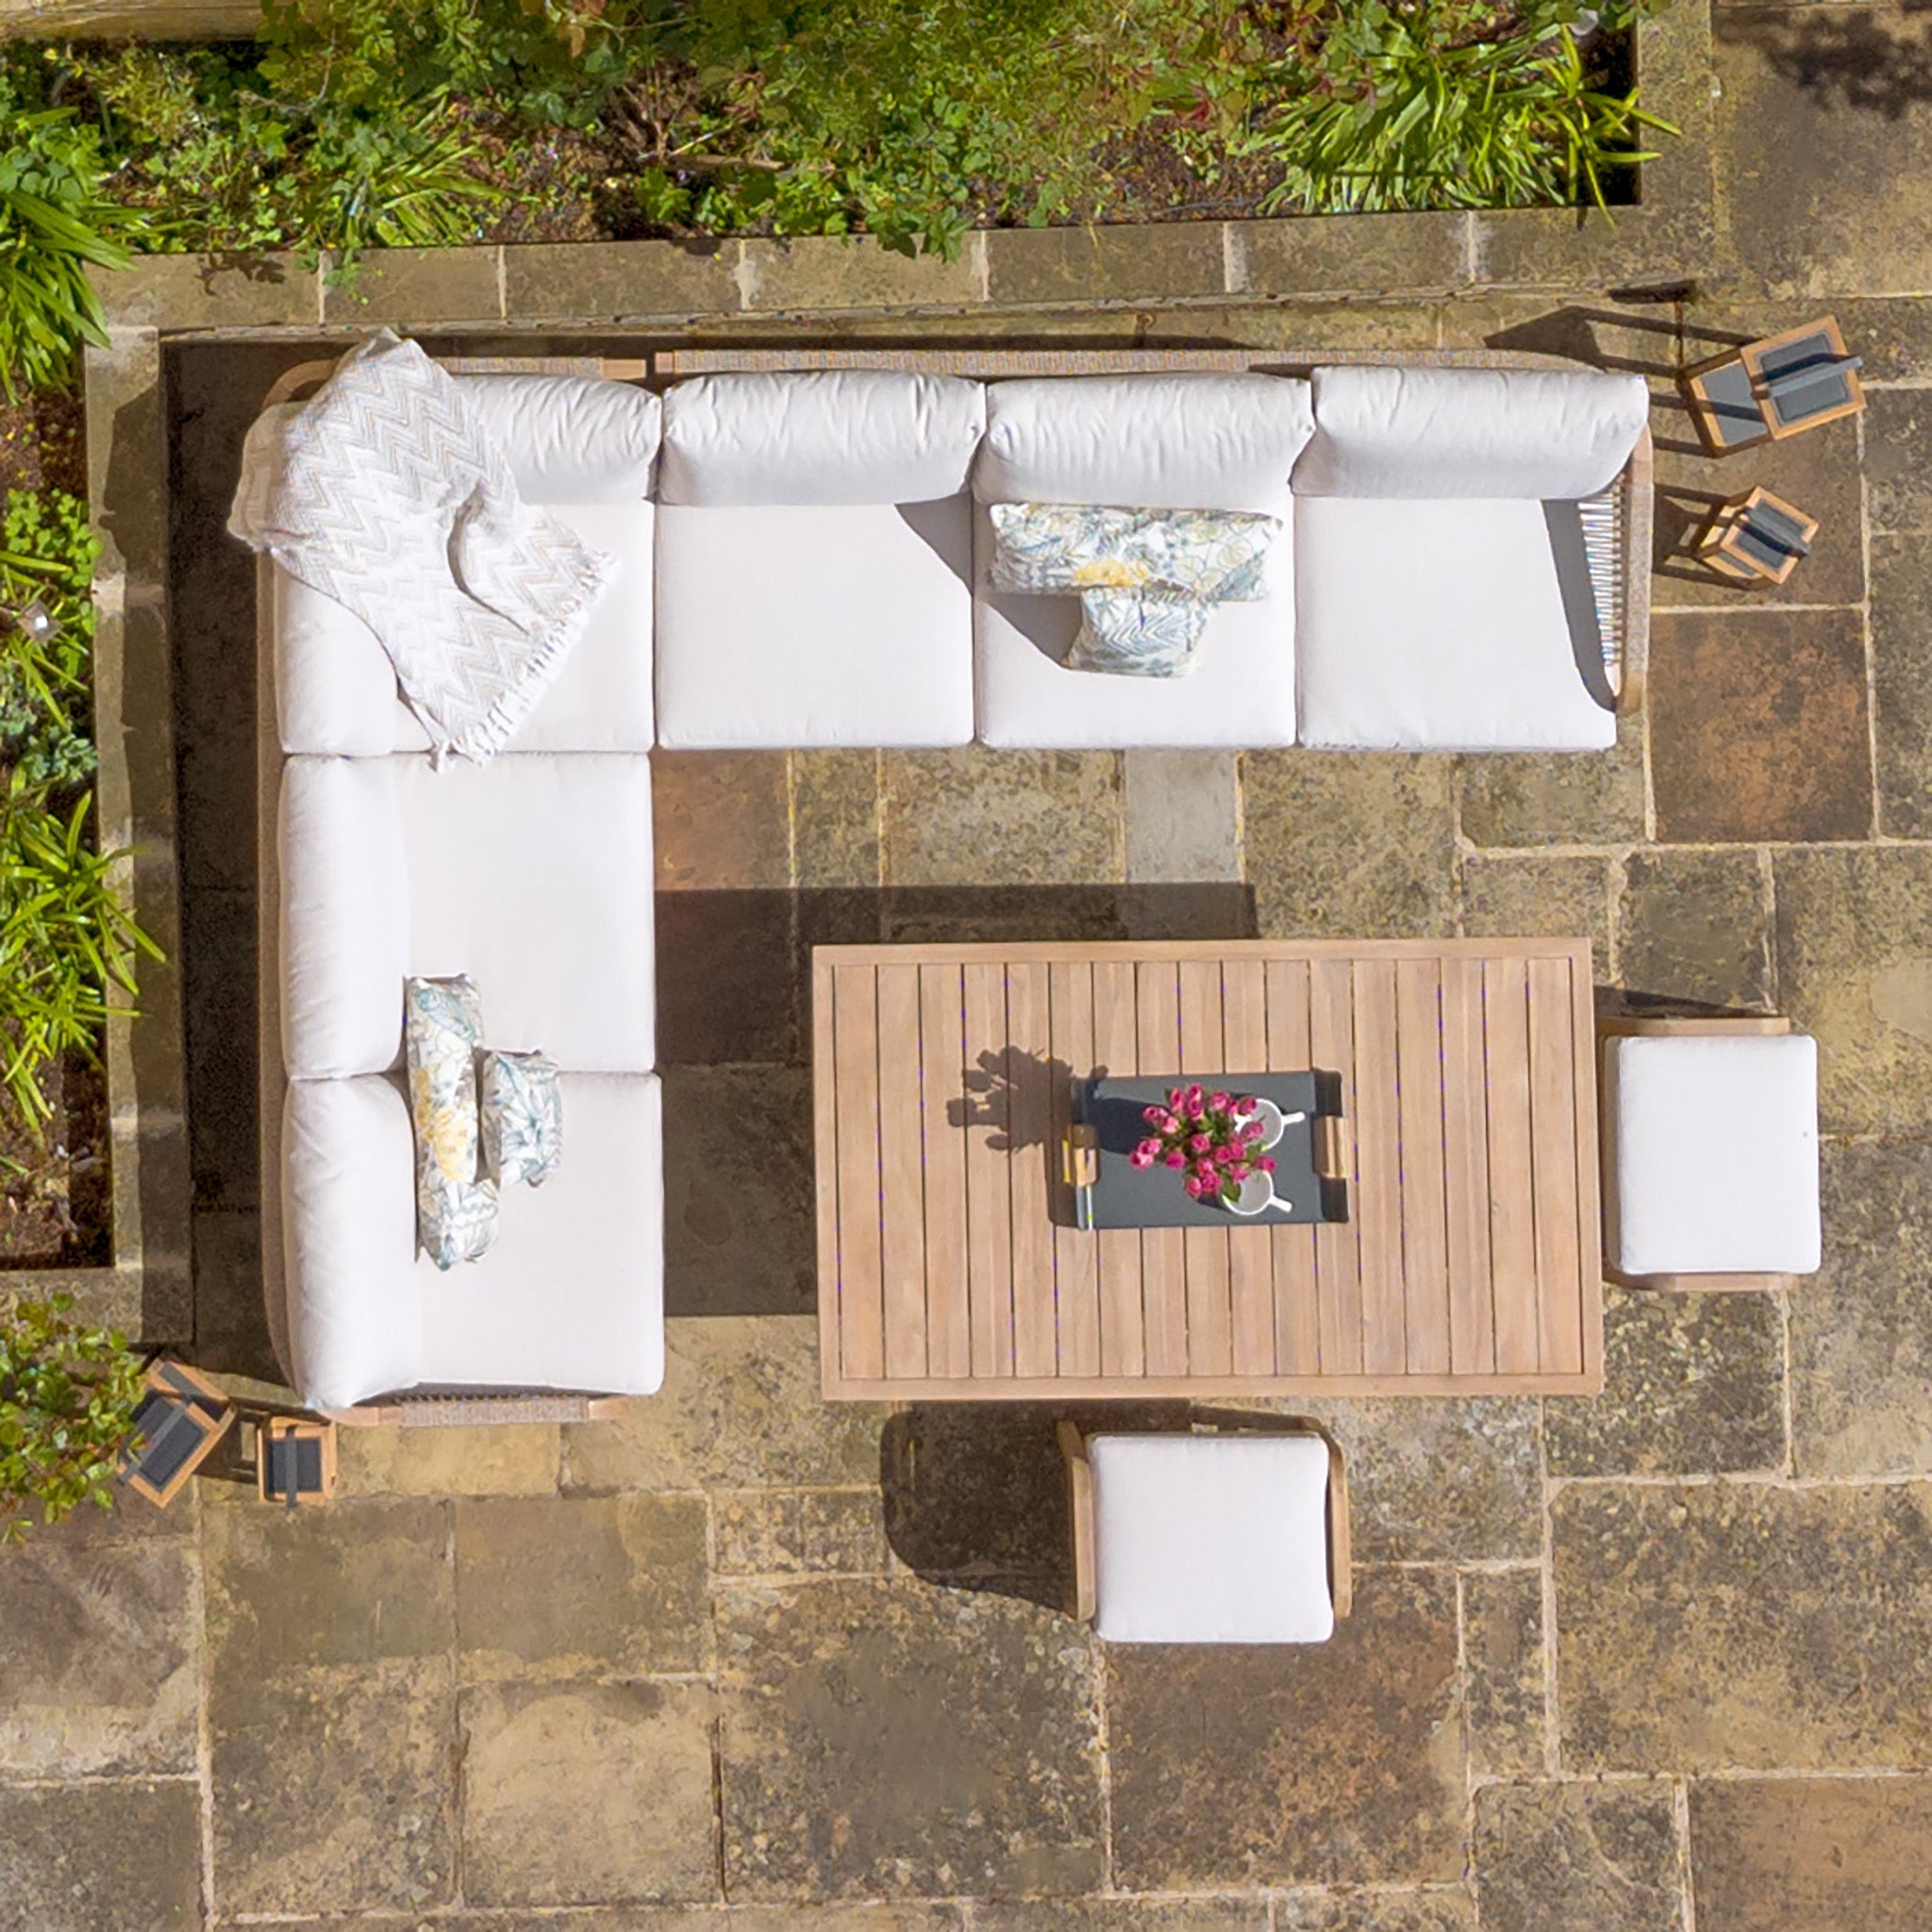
x=1659 y=1661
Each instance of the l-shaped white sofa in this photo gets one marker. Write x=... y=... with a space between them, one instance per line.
x=803 y=558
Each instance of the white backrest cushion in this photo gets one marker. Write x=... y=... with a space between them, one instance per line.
x=345 y=916
x=335 y=686
x=1147 y=442
x=835 y=436
x=570 y=438
x=1436 y=433
x=349 y=1240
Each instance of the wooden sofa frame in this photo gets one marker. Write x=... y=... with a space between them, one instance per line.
x=1073 y=1442
x=1617 y=538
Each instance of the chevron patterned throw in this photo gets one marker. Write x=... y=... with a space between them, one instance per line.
x=383 y=492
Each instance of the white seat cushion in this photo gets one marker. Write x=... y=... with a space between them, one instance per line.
x=533 y=875
x=1711 y=1151
x=1211 y=1538
x=1463 y=625
x=336 y=689
x=571 y=1294
x=1241 y=692
x=1431 y=433
x=798 y=626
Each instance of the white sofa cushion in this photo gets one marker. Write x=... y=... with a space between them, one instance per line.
x=1457 y=625
x=570 y=438
x=336 y=689
x=570 y=1297
x=797 y=626
x=1211 y=1538
x=1433 y=433
x=1147 y=442
x=1711 y=1154
x=1241 y=692
x=837 y=435
x=344 y=945
x=532 y=875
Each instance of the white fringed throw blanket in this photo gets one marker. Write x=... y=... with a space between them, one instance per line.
x=383 y=492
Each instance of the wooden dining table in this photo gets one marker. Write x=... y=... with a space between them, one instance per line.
x=951 y=1262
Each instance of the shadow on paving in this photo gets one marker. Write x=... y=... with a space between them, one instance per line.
x=1873 y=61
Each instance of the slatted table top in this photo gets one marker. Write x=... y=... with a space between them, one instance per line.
x=948 y=1264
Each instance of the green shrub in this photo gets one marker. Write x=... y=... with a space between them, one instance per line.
x=1400 y=110
x=66 y=1401
x=55 y=222
x=67 y=944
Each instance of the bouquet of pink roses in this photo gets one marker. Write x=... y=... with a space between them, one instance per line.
x=1209 y=1138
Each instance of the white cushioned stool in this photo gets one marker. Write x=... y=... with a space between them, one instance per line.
x=1711 y=1152
x=1238 y=1538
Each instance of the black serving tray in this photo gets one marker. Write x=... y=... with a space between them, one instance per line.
x=1129 y=1196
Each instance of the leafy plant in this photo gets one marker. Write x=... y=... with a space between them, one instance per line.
x=66 y=1401
x=55 y=222
x=1396 y=112
x=67 y=944
x=47 y=553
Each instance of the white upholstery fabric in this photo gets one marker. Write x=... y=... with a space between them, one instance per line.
x=839 y=435
x=1445 y=627
x=1241 y=692
x=1146 y=442
x=344 y=917
x=798 y=626
x=570 y=438
x=336 y=691
x=570 y=1297
x=533 y=875
x=1711 y=1150
x=1211 y=1538
x=1469 y=432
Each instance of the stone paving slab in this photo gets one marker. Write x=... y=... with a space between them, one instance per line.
x=1578 y=1858
x=1249 y=1764
x=1743 y=1626
x=78 y=1857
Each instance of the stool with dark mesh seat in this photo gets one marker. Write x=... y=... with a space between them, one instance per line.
x=294 y=1461
x=177 y=1425
x=1757 y=538
x=1776 y=388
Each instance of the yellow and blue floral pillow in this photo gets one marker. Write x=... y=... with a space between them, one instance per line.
x=1146 y=578
x=456 y=1211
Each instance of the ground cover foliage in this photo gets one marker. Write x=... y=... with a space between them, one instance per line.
x=355 y=123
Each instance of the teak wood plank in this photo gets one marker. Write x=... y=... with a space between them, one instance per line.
x=1076 y=1256
x=942 y=1098
x=1553 y=1127
x=1123 y=1332
x=1378 y=1161
x=1466 y=1171
x=1424 y=1210
x=825 y=1120
x=1513 y=1194
x=1163 y=1251
x=1337 y=1244
x=1029 y=1036
x=902 y=1172
x=855 y=1060
x=1210 y=1348
x=1291 y=1246
x=1249 y=1251
x=989 y=1194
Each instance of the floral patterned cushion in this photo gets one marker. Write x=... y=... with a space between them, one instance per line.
x=523 y=1117
x=456 y=1211
x=1214 y=555
x=1151 y=633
